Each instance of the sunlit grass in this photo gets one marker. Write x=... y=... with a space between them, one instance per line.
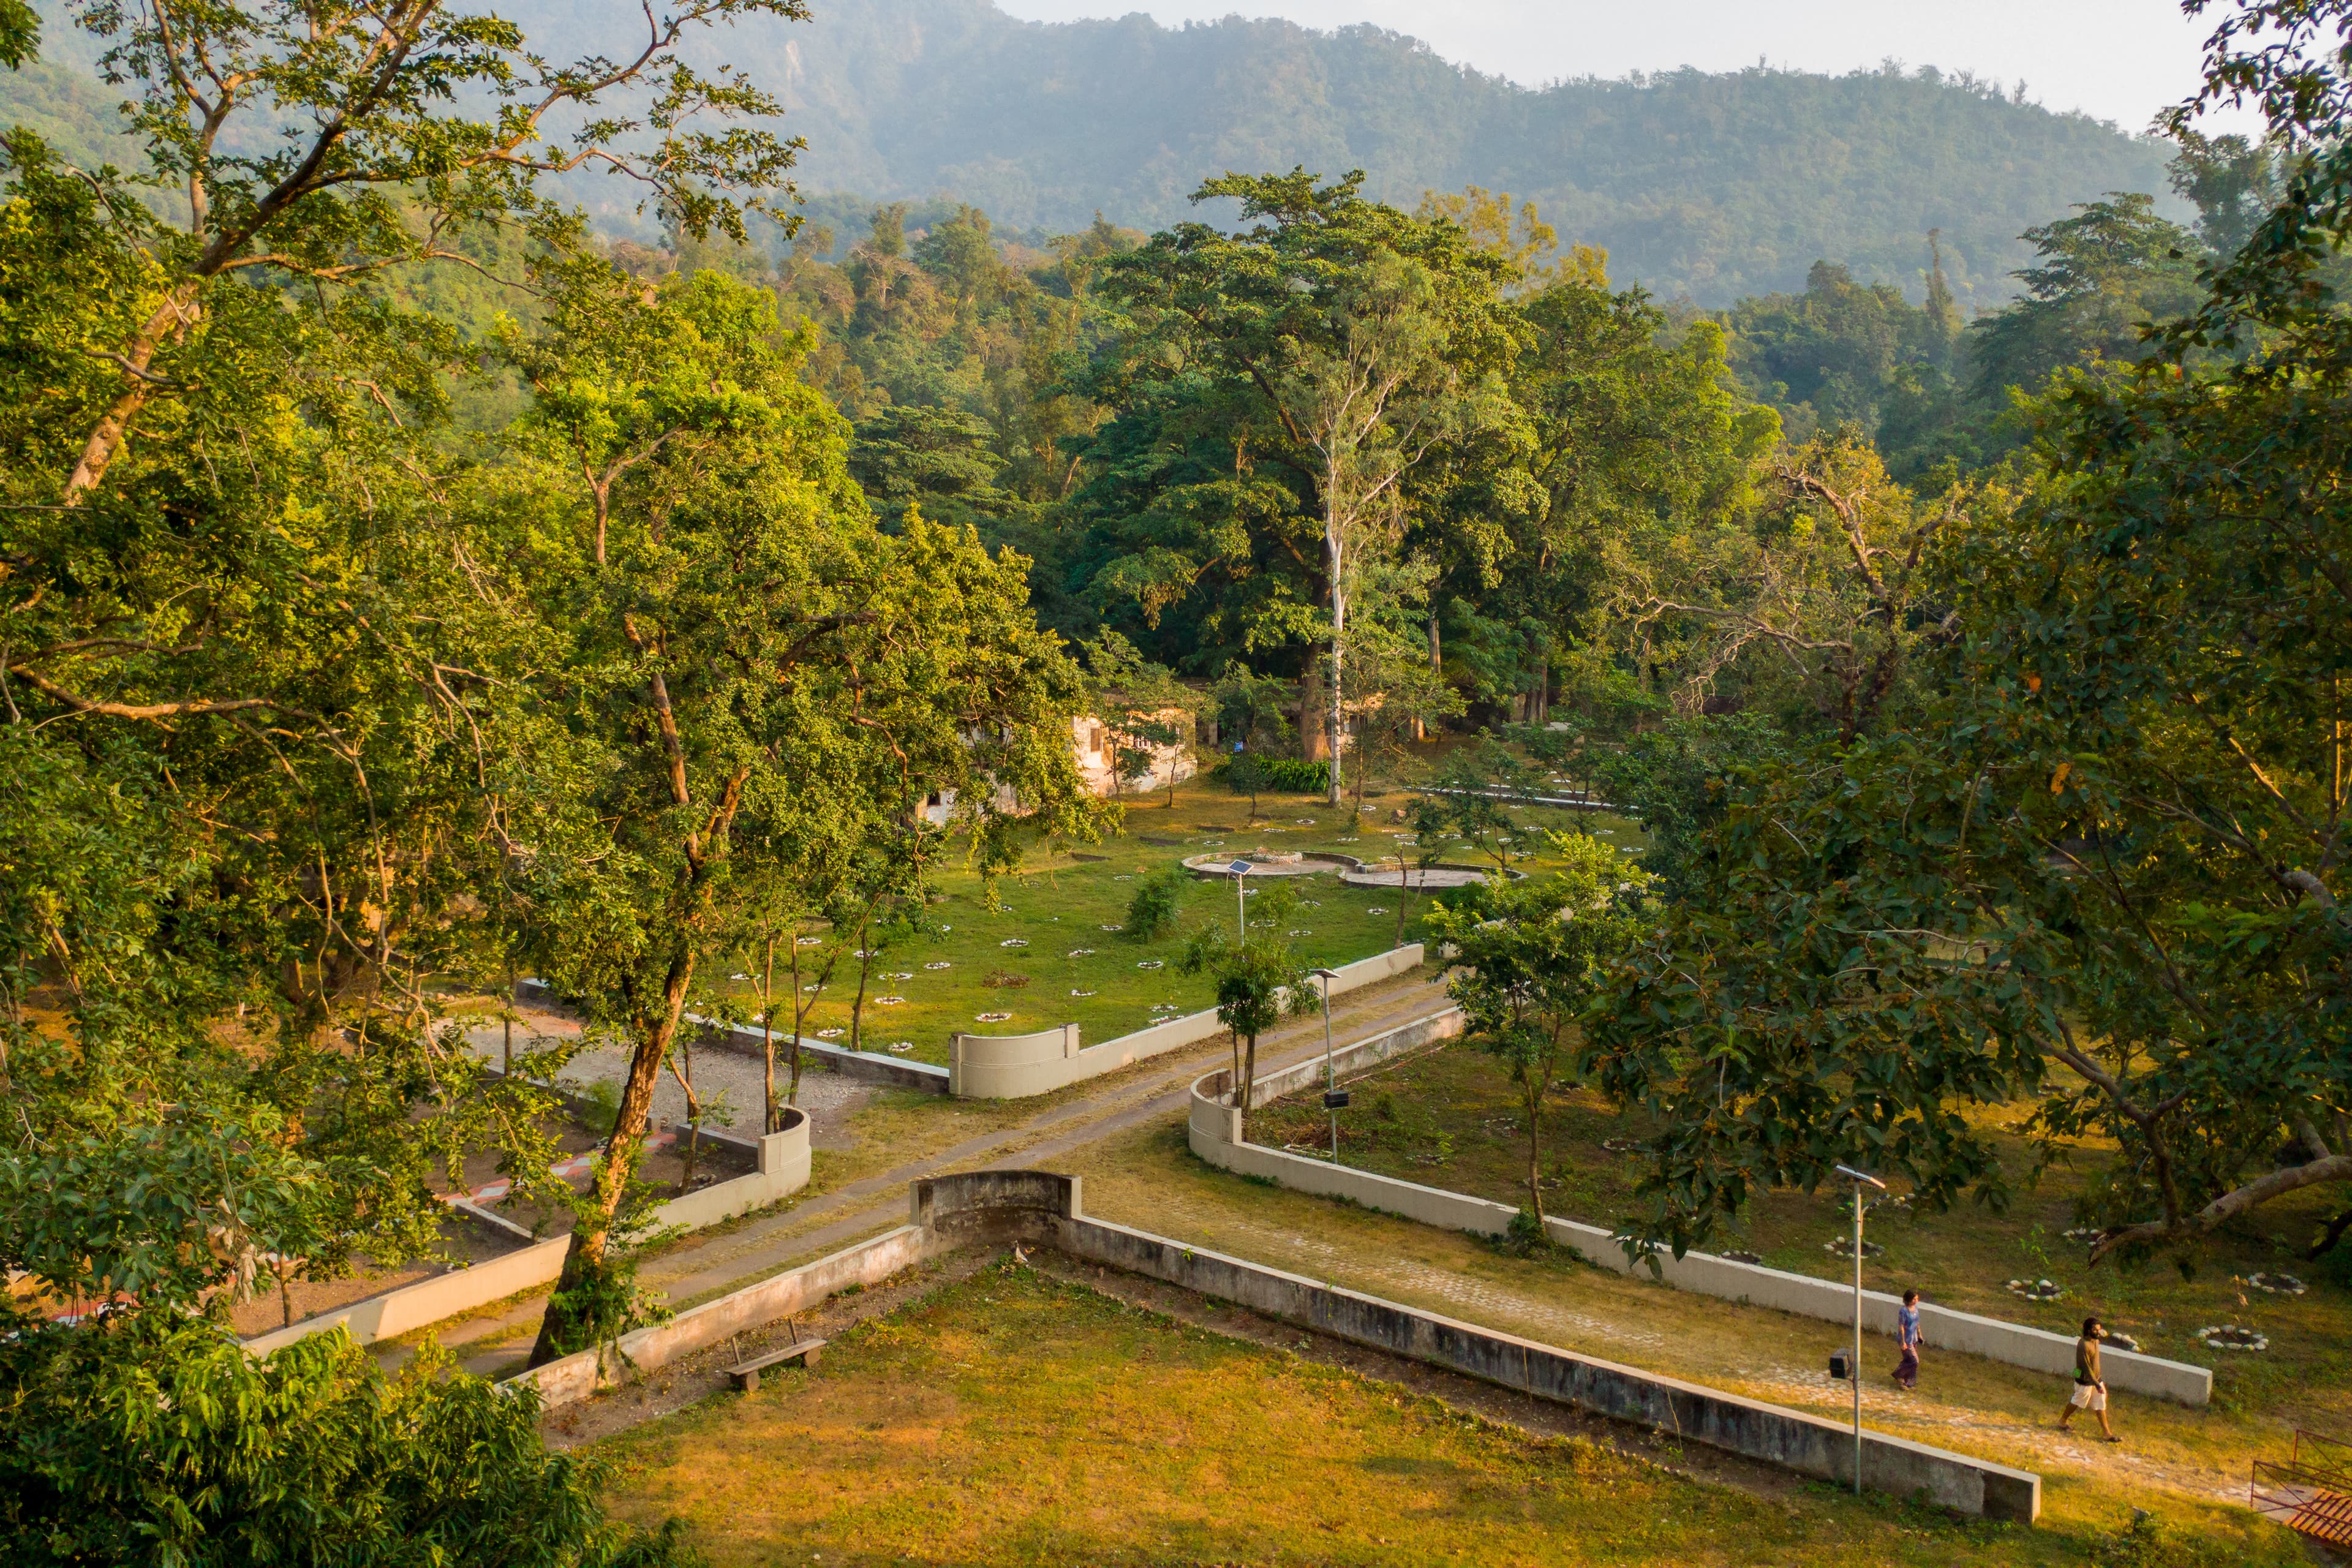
x=1015 y=1419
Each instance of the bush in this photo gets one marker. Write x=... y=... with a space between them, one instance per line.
x=1153 y=912
x=156 y=1438
x=1286 y=776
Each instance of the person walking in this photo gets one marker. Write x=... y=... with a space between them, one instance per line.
x=1907 y=1335
x=2090 y=1386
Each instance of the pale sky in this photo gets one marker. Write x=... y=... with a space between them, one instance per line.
x=2120 y=61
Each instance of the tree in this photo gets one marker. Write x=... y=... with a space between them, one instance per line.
x=1828 y=591
x=1525 y=961
x=1275 y=385
x=1470 y=798
x=2104 y=869
x=382 y=172
x=2096 y=277
x=1260 y=982
x=768 y=683
x=160 y=1439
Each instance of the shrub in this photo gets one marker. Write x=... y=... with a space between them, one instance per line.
x=1153 y=912
x=1288 y=775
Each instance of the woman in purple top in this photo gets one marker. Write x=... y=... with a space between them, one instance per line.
x=1907 y=1334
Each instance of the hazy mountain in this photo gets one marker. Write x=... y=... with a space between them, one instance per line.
x=1710 y=185
x=1717 y=185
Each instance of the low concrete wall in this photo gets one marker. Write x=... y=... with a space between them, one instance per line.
x=866 y=1066
x=996 y=1205
x=1214 y=1134
x=1013 y=1067
x=1807 y=1444
x=869 y=1066
x=783 y=1169
x=944 y=1212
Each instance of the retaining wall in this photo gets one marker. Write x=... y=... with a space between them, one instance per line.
x=1013 y=1067
x=1214 y=1134
x=995 y=1206
x=866 y=1066
x=783 y=1169
x=943 y=1212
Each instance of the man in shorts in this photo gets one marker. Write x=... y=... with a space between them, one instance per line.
x=2090 y=1386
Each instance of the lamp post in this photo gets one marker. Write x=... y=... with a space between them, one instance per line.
x=1332 y=1098
x=1858 y=1178
x=1239 y=868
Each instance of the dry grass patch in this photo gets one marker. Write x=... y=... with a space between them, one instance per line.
x=1015 y=1418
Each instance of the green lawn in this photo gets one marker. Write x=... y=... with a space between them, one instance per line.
x=1451 y=1119
x=1059 y=904
x=1016 y=1419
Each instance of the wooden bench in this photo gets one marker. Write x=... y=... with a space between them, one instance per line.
x=745 y=1375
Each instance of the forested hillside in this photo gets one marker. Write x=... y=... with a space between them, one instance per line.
x=1713 y=186
x=1709 y=185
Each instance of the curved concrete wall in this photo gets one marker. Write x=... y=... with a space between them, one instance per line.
x=1214 y=1134
x=783 y=1169
x=1013 y=1067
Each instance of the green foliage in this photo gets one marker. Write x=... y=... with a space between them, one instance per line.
x=1158 y=897
x=1249 y=772
x=1525 y=960
x=1260 y=980
x=1680 y=777
x=2102 y=870
x=1469 y=798
x=157 y=1439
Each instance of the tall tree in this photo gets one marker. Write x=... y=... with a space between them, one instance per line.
x=2106 y=869
x=766 y=680
x=1275 y=385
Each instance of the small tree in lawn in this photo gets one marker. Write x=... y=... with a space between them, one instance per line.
x=1469 y=799
x=1250 y=706
x=1260 y=982
x=1247 y=774
x=1526 y=958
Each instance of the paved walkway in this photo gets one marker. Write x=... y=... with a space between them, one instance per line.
x=701 y=1266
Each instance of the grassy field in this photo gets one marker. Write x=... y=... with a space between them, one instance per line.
x=1070 y=967
x=2187 y=1465
x=1017 y=1419
x=1451 y=1119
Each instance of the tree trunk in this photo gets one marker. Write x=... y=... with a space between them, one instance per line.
x=1339 y=639
x=857 y=1007
x=693 y=1115
x=1249 y=1084
x=1314 y=744
x=768 y=1035
x=591 y=1234
x=1535 y=1155
x=1404 y=886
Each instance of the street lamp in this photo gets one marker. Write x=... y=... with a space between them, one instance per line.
x=1239 y=868
x=1332 y=1098
x=1858 y=1178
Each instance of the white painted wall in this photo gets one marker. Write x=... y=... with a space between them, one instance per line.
x=1214 y=1134
x=783 y=1169
x=1013 y=1067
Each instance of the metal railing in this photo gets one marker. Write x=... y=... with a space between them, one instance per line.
x=2310 y=1492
